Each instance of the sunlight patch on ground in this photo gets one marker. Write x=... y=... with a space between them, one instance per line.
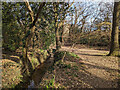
x=99 y=73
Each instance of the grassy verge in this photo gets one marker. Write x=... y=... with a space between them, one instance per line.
x=60 y=54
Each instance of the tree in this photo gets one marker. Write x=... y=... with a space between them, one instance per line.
x=30 y=31
x=79 y=17
x=11 y=30
x=60 y=13
x=115 y=31
x=22 y=17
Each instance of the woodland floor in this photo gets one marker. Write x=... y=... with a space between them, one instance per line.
x=100 y=71
x=92 y=70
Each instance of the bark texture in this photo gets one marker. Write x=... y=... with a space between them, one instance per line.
x=114 y=49
x=32 y=27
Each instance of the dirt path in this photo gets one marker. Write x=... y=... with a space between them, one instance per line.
x=101 y=71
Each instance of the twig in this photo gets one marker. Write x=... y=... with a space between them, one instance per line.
x=63 y=57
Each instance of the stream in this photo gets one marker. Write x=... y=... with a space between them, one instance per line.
x=39 y=73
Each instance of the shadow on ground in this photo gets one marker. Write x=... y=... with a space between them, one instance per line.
x=84 y=79
x=97 y=82
x=90 y=54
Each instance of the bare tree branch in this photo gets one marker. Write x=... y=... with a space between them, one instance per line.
x=39 y=10
x=29 y=9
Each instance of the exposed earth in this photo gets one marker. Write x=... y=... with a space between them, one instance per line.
x=93 y=69
x=101 y=71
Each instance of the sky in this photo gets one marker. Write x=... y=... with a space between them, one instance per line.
x=95 y=11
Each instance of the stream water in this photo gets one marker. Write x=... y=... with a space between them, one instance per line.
x=32 y=84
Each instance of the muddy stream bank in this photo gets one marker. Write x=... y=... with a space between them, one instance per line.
x=39 y=72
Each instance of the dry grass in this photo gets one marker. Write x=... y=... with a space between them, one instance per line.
x=11 y=73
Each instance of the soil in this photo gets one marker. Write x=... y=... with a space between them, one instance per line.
x=100 y=71
x=92 y=70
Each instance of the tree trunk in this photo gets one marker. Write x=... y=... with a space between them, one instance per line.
x=57 y=39
x=32 y=27
x=25 y=60
x=27 y=63
x=115 y=30
x=57 y=34
x=56 y=5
